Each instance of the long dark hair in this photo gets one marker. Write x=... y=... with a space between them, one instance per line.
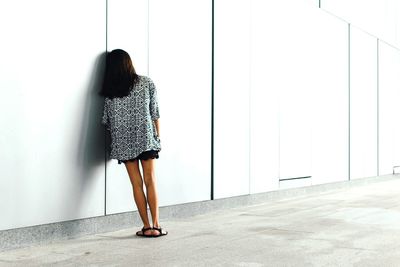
x=120 y=75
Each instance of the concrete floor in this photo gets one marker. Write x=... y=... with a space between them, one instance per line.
x=357 y=226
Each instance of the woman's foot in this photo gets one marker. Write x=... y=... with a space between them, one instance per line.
x=158 y=231
x=146 y=232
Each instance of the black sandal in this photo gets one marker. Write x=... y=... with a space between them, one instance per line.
x=144 y=230
x=159 y=230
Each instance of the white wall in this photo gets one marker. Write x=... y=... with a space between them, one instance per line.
x=291 y=47
x=330 y=100
x=264 y=106
x=389 y=94
x=179 y=64
x=52 y=145
x=231 y=92
x=305 y=64
x=363 y=104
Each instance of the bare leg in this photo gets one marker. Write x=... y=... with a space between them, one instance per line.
x=151 y=190
x=138 y=194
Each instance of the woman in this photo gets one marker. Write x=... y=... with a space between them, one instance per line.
x=131 y=115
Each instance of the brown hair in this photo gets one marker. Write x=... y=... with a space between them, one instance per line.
x=120 y=75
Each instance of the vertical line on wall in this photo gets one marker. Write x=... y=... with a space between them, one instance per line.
x=377 y=106
x=319 y=3
x=279 y=138
x=250 y=57
x=349 y=100
x=212 y=99
x=105 y=132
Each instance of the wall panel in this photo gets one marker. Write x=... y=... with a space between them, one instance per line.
x=231 y=92
x=264 y=96
x=291 y=80
x=52 y=144
x=330 y=109
x=299 y=60
x=363 y=104
x=389 y=93
x=180 y=66
x=280 y=92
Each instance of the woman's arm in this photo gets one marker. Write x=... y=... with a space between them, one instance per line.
x=157 y=124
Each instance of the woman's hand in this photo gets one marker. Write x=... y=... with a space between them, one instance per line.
x=157 y=124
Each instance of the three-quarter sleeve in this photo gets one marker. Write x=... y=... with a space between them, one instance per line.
x=154 y=110
x=105 y=120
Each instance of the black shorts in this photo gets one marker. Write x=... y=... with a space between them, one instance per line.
x=150 y=154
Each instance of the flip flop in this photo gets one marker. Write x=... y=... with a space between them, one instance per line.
x=161 y=232
x=144 y=230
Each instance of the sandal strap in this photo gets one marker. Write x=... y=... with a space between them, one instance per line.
x=145 y=229
x=158 y=229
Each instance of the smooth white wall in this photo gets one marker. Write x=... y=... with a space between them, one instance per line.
x=290 y=49
x=330 y=134
x=264 y=96
x=300 y=61
x=180 y=66
x=363 y=104
x=52 y=145
x=389 y=94
x=231 y=97
x=280 y=92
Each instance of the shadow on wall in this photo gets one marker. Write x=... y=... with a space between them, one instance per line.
x=91 y=140
x=90 y=149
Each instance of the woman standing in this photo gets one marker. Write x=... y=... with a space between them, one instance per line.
x=131 y=115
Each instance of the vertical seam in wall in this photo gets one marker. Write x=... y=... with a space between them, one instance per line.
x=377 y=106
x=250 y=86
x=212 y=99
x=349 y=104
x=105 y=132
x=279 y=139
x=319 y=3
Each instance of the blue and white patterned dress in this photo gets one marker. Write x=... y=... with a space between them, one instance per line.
x=130 y=120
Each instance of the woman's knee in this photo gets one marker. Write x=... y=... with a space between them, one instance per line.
x=137 y=185
x=149 y=178
x=148 y=172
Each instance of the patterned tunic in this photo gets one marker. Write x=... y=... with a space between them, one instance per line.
x=130 y=120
